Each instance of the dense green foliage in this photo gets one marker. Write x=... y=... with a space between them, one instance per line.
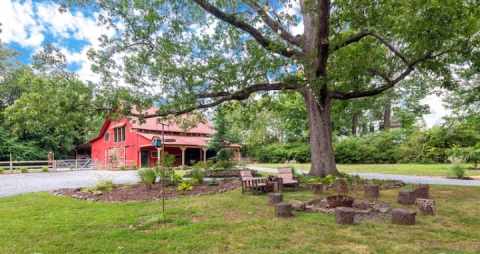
x=394 y=146
x=44 y=109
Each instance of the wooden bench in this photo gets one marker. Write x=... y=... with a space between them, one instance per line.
x=286 y=174
x=253 y=184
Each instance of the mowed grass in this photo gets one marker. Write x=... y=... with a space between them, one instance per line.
x=400 y=169
x=229 y=223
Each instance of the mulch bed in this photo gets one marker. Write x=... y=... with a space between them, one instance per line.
x=138 y=192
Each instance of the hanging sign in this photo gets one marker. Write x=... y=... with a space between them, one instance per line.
x=157 y=142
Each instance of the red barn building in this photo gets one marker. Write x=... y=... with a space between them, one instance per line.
x=128 y=143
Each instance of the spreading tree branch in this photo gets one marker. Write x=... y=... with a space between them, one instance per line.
x=276 y=26
x=257 y=35
x=389 y=82
x=364 y=33
x=221 y=97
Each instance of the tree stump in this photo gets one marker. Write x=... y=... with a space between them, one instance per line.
x=402 y=216
x=372 y=191
x=426 y=206
x=344 y=215
x=422 y=191
x=283 y=210
x=317 y=188
x=406 y=197
x=275 y=198
x=341 y=186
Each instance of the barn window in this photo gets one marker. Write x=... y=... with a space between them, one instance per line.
x=119 y=134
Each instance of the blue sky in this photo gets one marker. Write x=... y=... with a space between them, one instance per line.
x=29 y=24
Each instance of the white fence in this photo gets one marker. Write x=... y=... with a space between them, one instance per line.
x=51 y=165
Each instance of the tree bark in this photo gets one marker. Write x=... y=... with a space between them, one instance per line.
x=322 y=155
x=387 y=115
x=355 y=123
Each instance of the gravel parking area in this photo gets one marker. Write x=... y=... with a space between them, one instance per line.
x=14 y=184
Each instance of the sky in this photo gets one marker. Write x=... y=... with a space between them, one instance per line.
x=26 y=25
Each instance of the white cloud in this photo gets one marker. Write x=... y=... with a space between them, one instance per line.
x=437 y=110
x=19 y=24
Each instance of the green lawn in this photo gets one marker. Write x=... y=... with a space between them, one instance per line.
x=402 y=169
x=228 y=223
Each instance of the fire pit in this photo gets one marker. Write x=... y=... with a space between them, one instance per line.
x=339 y=201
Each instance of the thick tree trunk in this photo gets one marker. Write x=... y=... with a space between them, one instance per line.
x=355 y=123
x=387 y=115
x=322 y=156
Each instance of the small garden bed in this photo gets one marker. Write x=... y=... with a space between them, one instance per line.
x=139 y=192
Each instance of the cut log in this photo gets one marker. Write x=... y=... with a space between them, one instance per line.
x=402 y=216
x=317 y=188
x=283 y=210
x=422 y=191
x=344 y=215
x=372 y=191
x=426 y=206
x=275 y=198
x=406 y=197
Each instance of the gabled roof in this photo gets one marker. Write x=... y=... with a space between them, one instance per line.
x=153 y=125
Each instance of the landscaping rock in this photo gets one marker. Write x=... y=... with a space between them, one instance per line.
x=407 y=197
x=422 y=191
x=341 y=186
x=339 y=201
x=382 y=207
x=426 y=206
x=275 y=198
x=402 y=216
x=361 y=204
x=283 y=210
x=298 y=205
x=317 y=188
x=344 y=215
x=372 y=191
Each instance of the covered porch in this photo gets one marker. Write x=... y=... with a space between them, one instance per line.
x=184 y=155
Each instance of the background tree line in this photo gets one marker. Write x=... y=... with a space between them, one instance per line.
x=43 y=107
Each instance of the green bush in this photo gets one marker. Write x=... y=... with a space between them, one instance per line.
x=277 y=153
x=224 y=164
x=24 y=170
x=147 y=176
x=45 y=169
x=185 y=186
x=457 y=171
x=2 y=171
x=104 y=185
x=197 y=176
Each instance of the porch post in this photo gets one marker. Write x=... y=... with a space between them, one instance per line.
x=204 y=154
x=183 y=155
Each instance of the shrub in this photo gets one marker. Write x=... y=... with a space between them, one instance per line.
x=24 y=170
x=224 y=164
x=2 y=171
x=185 y=186
x=45 y=169
x=329 y=179
x=175 y=178
x=104 y=185
x=147 y=176
x=197 y=176
x=457 y=171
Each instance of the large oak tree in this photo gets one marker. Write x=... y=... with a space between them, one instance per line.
x=196 y=54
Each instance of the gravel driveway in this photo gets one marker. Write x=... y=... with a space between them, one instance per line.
x=13 y=184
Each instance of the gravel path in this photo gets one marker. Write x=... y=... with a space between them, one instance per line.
x=404 y=178
x=14 y=184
